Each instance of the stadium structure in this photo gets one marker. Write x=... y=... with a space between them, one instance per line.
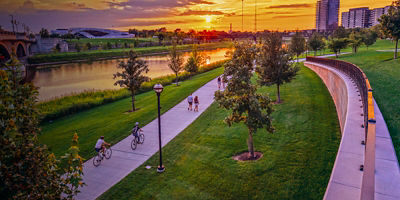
x=93 y=33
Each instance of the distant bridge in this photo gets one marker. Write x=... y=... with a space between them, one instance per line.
x=14 y=43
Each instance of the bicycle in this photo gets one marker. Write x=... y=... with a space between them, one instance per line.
x=100 y=155
x=137 y=140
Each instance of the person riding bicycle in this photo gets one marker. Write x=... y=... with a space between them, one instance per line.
x=135 y=131
x=100 y=145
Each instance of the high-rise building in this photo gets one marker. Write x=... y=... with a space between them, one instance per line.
x=362 y=17
x=327 y=15
x=356 y=18
x=376 y=14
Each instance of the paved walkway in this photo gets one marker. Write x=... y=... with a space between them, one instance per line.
x=124 y=160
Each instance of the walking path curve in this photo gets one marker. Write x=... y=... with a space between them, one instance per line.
x=124 y=160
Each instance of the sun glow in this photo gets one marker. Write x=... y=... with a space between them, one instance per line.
x=208 y=18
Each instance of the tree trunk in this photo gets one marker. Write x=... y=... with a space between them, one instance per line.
x=395 y=50
x=250 y=144
x=176 y=79
x=278 y=94
x=315 y=53
x=133 y=102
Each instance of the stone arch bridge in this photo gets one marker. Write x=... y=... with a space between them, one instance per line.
x=14 y=43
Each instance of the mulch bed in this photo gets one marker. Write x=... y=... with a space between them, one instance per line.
x=245 y=156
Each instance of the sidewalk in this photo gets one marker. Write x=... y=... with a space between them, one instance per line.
x=124 y=160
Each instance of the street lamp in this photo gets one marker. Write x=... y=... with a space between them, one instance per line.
x=158 y=88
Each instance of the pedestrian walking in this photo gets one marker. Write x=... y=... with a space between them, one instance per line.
x=219 y=82
x=190 y=101
x=223 y=83
x=196 y=104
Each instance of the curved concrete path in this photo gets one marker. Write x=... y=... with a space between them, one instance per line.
x=124 y=160
x=346 y=178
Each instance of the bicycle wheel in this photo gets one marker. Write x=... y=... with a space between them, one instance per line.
x=133 y=144
x=96 y=160
x=108 y=153
x=141 y=138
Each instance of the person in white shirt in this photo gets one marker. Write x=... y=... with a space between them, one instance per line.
x=190 y=101
x=100 y=145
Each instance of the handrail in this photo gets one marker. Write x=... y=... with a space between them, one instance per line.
x=364 y=86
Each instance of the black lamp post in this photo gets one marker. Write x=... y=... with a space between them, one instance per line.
x=158 y=88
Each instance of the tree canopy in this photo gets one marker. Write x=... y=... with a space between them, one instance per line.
x=298 y=44
x=175 y=60
x=390 y=24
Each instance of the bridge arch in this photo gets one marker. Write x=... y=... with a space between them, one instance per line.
x=4 y=54
x=20 y=51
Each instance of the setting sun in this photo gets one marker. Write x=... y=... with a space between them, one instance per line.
x=208 y=18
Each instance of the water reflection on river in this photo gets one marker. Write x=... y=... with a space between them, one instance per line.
x=77 y=77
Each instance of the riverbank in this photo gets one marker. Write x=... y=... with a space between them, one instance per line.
x=66 y=105
x=44 y=60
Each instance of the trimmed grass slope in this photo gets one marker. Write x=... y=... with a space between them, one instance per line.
x=112 y=121
x=297 y=162
x=384 y=75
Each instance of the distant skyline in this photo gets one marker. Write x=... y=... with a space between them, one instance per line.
x=172 y=14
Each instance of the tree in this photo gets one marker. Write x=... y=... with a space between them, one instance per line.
x=356 y=39
x=195 y=60
x=340 y=32
x=247 y=106
x=109 y=45
x=276 y=65
x=89 y=46
x=391 y=24
x=315 y=42
x=175 y=61
x=44 y=33
x=77 y=47
x=336 y=45
x=370 y=37
x=131 y=76
x=298 y=44
x=28 y=170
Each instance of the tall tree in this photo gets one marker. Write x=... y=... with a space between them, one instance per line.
x=131 y=76
x=356 y=39
x=240 y=96
x=391 y=24
x=276 y=65
x=336 y=45
x=315 y=42
x=370 y=37
x=27 y=169
x=298 y=44
x=195 y=60
x=340 y=32
x=175 y=61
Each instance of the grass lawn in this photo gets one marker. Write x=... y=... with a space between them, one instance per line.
x=100 y=41
x=298 y=157
x=112 y=121
x=384 y=75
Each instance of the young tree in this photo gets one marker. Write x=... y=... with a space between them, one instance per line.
x=355 y=40
x=298 y=44
x=28 y=170
x=370 y=38
x=195 y=60
x=315 y=42
x=44 y=33
x=340 y=32
x=77 y=47
x=336 y=45
x=247 y=106
x=175 y=61
x=391 y=24
x=276 y=65
x=131 y=76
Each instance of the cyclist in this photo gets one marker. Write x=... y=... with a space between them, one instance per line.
x=135 y=131
x=100 y=145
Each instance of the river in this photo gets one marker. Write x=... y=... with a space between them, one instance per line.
x=67 y=79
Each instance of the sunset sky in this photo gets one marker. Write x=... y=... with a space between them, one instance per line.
x=172 y=14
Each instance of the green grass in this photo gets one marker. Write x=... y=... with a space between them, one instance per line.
x=101 y=41
x=298 y=157
x=71 y=104
x=384 y=75
x=104 y=54
x=112 y=120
